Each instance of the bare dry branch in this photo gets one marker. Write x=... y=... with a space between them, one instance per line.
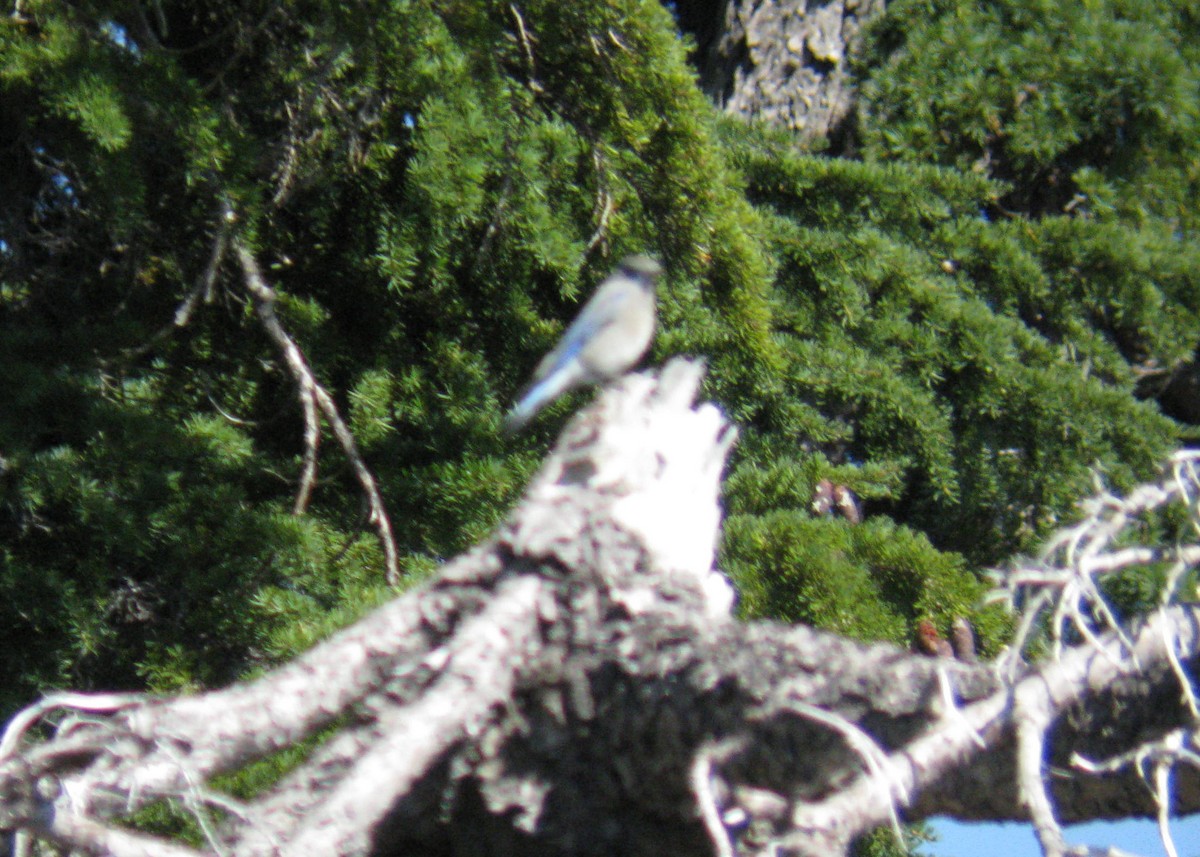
x=527 y=51
x=575 y=686
x=313 y=397
x=203 y=289
x=602 y=209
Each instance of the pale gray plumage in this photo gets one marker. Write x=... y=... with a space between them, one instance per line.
x=609 y=335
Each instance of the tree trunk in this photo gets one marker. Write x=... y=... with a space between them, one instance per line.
x=785 y=62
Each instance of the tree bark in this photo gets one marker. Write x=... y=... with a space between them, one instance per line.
x=784 y=62
x=576 y=686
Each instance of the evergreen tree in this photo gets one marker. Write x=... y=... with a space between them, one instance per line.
x=431 y=189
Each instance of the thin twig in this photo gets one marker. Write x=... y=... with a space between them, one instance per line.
x=603 y=208
x=102 y=702
x=1162 y=797
x=1161 y=756
x=701 y=782
x=879 y=766
x=1030 y=711
x=527 y=49
x=203 y=289
x=953 y=712
x=312 y=393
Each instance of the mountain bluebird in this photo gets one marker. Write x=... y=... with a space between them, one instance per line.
x=611 y=334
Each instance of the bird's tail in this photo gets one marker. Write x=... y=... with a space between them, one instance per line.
x=533 y=400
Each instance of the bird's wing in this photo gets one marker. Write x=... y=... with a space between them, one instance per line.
x=599 y=312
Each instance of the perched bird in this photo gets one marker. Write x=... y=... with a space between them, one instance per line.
x=846 y=502
x=962 y=640
x=822 y=503
x=929 y=642
x=608 y=336
x=832 y=499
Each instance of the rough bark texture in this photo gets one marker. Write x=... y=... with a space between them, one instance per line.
x=575 y=686
x=785 y=62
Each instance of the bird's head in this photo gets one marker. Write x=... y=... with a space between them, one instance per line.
x=641 y=268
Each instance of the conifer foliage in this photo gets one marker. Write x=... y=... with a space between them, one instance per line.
x=430 y=189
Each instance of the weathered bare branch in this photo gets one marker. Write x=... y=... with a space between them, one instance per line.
x=313 y=397
x=203 y=289
x=575 y=686
x=477 y=672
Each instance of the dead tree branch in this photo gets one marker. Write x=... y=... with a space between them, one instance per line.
x=575 y=686
x=314 y=397
x=204 y=289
